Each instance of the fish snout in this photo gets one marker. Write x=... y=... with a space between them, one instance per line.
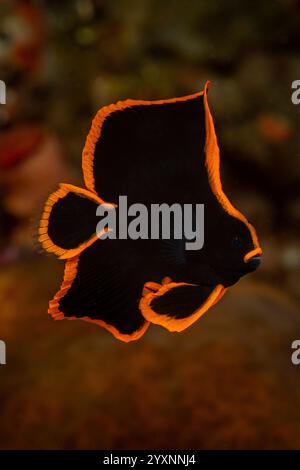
x=253 y=263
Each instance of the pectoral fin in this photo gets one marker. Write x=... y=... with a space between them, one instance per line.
x=68 y=223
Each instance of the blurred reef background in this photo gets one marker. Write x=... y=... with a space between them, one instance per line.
x=227 y=382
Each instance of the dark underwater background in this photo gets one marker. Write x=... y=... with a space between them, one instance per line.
x=228 y=381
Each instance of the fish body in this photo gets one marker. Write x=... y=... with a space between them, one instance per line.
x=154 y=152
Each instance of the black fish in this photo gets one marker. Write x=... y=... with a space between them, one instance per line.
x=153 y=152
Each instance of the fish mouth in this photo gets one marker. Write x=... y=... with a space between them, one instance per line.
x=253 y=259
x=252 y=254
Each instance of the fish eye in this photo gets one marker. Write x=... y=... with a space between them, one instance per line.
x=236 y=242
